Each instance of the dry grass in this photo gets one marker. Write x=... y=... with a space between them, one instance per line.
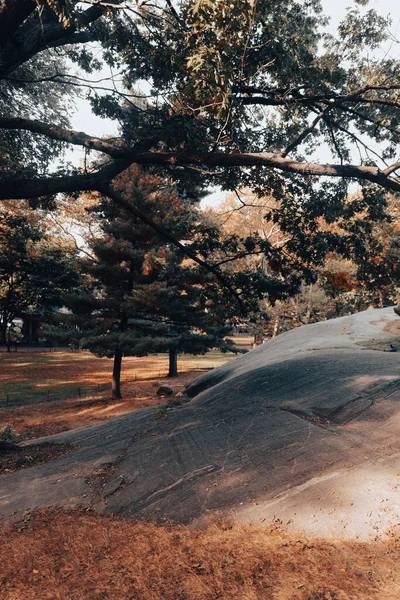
x=393 y=327
x=47 y=418
x=30 y=377
x=66 y=375
x=385 y=344
x=81 y=556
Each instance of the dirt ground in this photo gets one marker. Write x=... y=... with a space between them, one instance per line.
x=57 y=555
x=28 y=373
x=27 y=377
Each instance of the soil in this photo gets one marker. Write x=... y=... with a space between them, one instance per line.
x=29 y=456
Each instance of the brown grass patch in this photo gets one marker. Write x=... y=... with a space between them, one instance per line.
x=47 y=418
x=30 y=373
x=76 y=556
x=32 y=377
x=30 y=456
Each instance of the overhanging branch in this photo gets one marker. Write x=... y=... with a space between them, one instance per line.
x=35 y=35
x=33 y=188
x=117 y=150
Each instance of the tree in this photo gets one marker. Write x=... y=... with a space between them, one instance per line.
x=240 y=94
x=349 y=276
x=34 y=268
x=141 y=294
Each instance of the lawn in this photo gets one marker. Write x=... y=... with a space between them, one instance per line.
x=34 y=377
x=48 y=392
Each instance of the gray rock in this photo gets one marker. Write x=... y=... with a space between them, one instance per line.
x=303 y=430
x=165 y=390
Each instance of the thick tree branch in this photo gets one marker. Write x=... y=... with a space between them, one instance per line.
x=392 y=168
x=12 y=14
x=33 y=188
x=78 y=138
x=36 y=35
x=118 y=150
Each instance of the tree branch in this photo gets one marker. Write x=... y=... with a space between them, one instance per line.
x=70 y=235
x=297 y=141
x=35 y=36
x=118 y=150
x=12 y=14
x=352 y=136
x=61 y=134
x=392 y=168
x=281 y=97
x=33 y=188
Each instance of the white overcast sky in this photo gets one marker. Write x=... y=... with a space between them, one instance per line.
x=84 y=120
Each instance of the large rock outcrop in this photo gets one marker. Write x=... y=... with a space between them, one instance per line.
x=304 y=429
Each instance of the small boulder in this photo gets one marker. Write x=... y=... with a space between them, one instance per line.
x=164 y=390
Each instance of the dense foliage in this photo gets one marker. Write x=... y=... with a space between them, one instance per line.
x=140 y=293
x=238 y=94
x=35 y=268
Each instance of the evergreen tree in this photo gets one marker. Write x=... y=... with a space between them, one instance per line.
x=240 y=95
x=142 y=295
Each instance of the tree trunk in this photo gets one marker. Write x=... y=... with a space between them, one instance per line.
x=309 y=305
x=116 y=376
x=276 y=326
x=3 y=333
x=173 y=363
x=12 y=14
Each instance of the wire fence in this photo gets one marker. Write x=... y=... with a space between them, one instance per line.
x=20 y=348
x=51 y=394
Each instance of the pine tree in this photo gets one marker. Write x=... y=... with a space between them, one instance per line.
x=142 y=295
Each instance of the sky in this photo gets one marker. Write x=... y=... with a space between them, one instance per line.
x=84 y=120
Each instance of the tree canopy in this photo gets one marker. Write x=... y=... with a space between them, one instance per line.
x=237 y=94
x=231 y=84
x=35 y=267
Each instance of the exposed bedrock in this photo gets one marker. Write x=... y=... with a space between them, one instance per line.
x=305 y=429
